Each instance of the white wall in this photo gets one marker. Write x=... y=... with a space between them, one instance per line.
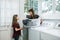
x=8 y=9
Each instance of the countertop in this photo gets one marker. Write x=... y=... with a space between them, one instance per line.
x=5 y=28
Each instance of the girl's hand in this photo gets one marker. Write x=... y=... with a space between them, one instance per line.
x=21 y=28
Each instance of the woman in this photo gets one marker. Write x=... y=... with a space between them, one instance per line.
x=32 y=14
x=16 y=28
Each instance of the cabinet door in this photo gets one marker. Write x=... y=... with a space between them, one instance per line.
x=5 y=35
x=0 y=35
x=46 y=36
x=43 y=36
x=34 y=35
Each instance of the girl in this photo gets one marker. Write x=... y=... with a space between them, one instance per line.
x=16 y=28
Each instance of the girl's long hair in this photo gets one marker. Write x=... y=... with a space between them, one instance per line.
x=14 y=19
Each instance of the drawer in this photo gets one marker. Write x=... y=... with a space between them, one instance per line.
x=34 y=35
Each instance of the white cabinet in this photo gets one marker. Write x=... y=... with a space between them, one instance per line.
x=0 y=35
x=46 y=36
x=34 y=35
x=5 y=35
x=42 y=35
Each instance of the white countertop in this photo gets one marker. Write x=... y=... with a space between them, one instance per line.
x=51 y=31
x=4 y=28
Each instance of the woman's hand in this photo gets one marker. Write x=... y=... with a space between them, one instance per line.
x=41 y=21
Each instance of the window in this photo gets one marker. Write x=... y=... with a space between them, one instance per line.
x=28 y=4
x=46 y=6
x=58 y=5
x=49 y=6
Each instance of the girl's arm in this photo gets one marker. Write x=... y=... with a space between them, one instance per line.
x=17 y=29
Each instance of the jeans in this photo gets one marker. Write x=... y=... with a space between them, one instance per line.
x=16 y=38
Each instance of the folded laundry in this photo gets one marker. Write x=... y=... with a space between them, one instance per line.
x=26 y=21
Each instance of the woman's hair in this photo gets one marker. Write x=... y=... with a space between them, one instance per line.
x=14 y=19
x=31 y=10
